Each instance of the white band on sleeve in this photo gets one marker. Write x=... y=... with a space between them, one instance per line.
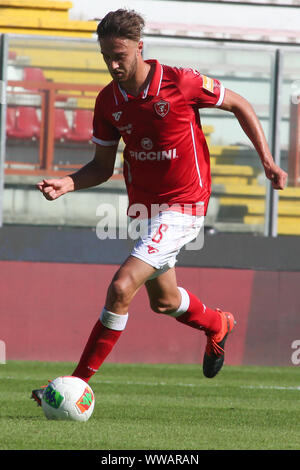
x=221 y=97
x=113 y=321
x=105 y=143
x=184 y=305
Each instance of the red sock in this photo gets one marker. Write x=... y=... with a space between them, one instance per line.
x=199 y=316
x=99 y=345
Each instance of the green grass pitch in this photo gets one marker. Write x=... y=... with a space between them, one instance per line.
x=159 y=407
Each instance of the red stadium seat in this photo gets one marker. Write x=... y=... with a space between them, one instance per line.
x=27 y=124
x=10 y=121
x=61 y=126
x=34 y=74
x=12 y=55
x=82 y=129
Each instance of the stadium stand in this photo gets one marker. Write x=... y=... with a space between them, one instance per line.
x=237 y=186
x=42 y=17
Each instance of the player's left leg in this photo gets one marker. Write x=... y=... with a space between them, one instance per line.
x=167 y=298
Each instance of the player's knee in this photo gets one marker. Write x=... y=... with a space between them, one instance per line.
x=120 y=291
x=162 y=306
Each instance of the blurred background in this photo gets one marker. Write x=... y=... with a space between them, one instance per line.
x=54 y=269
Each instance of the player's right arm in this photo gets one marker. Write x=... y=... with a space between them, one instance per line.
x=96 y=172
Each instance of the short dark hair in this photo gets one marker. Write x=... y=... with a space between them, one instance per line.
x=121 y=23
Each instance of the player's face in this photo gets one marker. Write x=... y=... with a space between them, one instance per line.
x=121 y=57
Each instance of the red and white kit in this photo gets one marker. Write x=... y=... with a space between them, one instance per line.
x=166 y=163
x=166 y=158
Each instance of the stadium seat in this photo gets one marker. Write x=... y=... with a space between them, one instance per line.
x=61 y=126
x=82 y=128
x=10 y=121
x=27 y=124
x=12 y=55
x=34 y=74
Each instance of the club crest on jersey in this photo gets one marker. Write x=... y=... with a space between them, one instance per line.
x=162 y=108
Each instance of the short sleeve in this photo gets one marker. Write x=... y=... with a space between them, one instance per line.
x=104 y=133
x=199 y=89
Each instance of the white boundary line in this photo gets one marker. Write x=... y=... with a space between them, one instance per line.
x=179 y=384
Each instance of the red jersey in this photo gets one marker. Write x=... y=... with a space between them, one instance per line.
x=166 y=158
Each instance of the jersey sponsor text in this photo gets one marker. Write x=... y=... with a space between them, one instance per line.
x=160 y=155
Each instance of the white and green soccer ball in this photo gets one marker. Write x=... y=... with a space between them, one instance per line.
x=68 y=398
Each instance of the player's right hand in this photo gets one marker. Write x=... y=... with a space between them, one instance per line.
x=56 y=187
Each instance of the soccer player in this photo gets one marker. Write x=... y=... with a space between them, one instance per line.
x=155 y=109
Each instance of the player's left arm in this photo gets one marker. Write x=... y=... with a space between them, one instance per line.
x=251 y=125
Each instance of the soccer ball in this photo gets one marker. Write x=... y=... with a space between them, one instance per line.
x=68 y=398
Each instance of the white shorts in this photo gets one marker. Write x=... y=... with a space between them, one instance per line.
x=163 y=236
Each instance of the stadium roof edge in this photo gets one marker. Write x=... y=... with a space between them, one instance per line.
x=266 y=3
x=223 y=33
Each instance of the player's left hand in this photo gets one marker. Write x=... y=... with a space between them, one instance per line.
x=277 y=176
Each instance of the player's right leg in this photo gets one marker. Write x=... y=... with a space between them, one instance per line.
x=37 y=395
x=112 y=322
